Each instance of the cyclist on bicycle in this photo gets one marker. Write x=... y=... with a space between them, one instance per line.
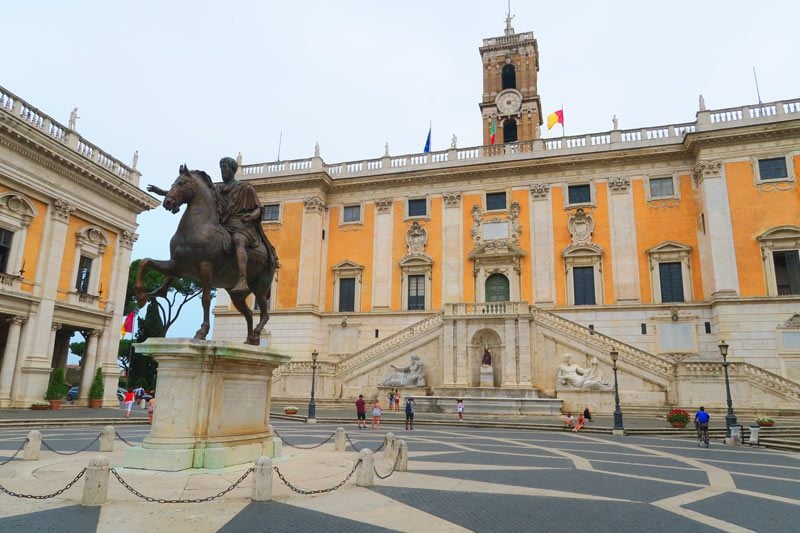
x=701 y=419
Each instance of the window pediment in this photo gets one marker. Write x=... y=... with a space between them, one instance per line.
x=781 y=237
x=582 y=250
x=345 y=267
x=18 y=207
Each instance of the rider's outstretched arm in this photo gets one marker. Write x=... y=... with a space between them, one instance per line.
x=156 y=190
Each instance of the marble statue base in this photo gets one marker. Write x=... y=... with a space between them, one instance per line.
x=487 y=376
x=211 y=405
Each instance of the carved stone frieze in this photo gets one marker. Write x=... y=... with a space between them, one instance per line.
x=792 y=323
x=581 y=226
x=384 y=205
x=452 y=199
x=707 y=169
x=540 y=191
x=619 y=184
x=62 y=210
x=416 y=238
x=314 y=204
x=671 y=203
x=476 y=224
x=516 y=228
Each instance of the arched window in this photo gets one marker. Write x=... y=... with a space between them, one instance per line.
x=509 y=77
x=497 y=288
x=509 y=130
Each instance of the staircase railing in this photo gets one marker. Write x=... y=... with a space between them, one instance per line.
x=749 y=372
x=370 y=352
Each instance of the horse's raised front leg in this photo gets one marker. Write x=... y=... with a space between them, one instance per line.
x=163 y=267
x=205 y=271
x=161 y=291
x=239 y=301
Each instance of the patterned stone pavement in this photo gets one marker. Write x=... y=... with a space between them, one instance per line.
x=458 y=479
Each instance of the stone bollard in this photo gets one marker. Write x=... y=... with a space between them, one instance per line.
x=95 y=484
x=33 y=446
x=389 y=445
x=365 y=474
x=107 y=439
x=402 y=450
x=277 y=447
x=339 y=442
x=262 y=480
x=754 y=430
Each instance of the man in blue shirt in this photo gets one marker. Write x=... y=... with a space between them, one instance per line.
x=701 y=418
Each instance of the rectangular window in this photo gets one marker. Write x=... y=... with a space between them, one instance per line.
x=417 y=207
x=583 y=281
x=773 y=168
x=5 y=250
x=579 y=194
x=644 y=328
x=347 y=294
x=271 y=213
x=352 y=213
x=84 y=273
x=495 y=201
x=661 y=187
x=671 y=278
x=708 y=327
x=787 y=272
x=416 y=293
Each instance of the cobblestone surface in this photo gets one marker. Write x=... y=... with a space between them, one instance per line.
x=753 y=513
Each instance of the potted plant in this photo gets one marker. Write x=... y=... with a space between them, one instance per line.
x=40 y=406
x=764 y=421
x=678 y=418
x=290 y=410
x=56 y=389
x=97 y=390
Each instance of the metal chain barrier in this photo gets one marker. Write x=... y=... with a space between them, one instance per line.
x=303 y=447
x=194 y=500
x=15 y=453
x=120 y=437
x=394 y=466
x=97 y=438
x=44 y=496
x=316 y=491
x=356 y=448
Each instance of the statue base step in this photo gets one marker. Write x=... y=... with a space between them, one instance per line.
x=487 y=392
x=485 y=405
x=405 y=392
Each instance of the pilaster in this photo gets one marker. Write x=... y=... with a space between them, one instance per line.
x=509 y=359
x=88 y=365
x=382 y=257
x=452 y=248
x=541 y=235
x=10 y=354
x=624 y=262
x=308 y=286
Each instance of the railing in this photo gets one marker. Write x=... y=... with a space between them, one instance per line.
x=509 y=39
x=12 y=104
x=632 y=355
x=487 y=308
x=592 y=142
x=381 y=347
x=751 y=373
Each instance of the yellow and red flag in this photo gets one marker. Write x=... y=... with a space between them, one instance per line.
x=556 y=117
x=127 y=326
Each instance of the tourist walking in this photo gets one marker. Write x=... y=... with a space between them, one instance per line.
x=410 y=403
x=128 y=401
x=377 y=410
x=460 y=410
x=361 y=412
x=390 y=397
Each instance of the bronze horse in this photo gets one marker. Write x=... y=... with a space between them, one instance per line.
x=202 y=249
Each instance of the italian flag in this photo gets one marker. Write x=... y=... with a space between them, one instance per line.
x=492 y=136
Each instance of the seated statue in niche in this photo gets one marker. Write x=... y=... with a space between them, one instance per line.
x=405 y=376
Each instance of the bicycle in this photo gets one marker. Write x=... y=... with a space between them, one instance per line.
x=702 y=435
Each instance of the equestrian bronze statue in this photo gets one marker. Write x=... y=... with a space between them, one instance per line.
x=219 y=242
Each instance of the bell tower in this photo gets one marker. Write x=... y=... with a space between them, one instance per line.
x=510 y=93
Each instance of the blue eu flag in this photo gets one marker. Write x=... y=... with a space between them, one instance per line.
x=427 y=142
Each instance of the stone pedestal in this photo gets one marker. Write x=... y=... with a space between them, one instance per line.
x=405 y=392
x=487 y=376
x=211 y=405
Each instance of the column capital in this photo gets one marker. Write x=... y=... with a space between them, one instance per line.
x=92 y=333
x=707 y=169
x=55 y=326
x=619 y=184
x=128 y=238
x=17 y=320
x=452 y=199
x=384 y=205
x=314 y=204
x=540 y=191
x=62 y=210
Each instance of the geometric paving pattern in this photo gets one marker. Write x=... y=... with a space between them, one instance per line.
x=479 y=480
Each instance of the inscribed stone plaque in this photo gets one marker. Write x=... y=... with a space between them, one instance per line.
x=495 y=230
x=243 y=402
x=676 y=337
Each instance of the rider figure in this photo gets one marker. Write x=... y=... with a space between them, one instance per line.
x=701 y=419
x=239 y=211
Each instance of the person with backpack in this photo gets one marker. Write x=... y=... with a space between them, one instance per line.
x=410 y=403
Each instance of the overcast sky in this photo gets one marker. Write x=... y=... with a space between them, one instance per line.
x=190 y=81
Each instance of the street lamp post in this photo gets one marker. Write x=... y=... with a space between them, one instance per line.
x=312 y=408
x=619 y=429
x=730 y=418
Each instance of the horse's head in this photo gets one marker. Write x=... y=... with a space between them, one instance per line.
x=181 y=191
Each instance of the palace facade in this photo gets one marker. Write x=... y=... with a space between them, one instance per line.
x=67 y=220
x=655 y=243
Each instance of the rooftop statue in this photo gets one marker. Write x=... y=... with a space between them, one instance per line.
x=219 y=241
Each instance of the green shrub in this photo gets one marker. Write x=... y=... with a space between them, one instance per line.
x=98 y=388
x=57 y=388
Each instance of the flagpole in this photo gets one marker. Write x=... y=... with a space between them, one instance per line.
x=563 y=130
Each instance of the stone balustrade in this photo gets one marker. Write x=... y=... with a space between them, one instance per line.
x=538 y=148
x=753 y=374
x=487 y=308
x=20 y=109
